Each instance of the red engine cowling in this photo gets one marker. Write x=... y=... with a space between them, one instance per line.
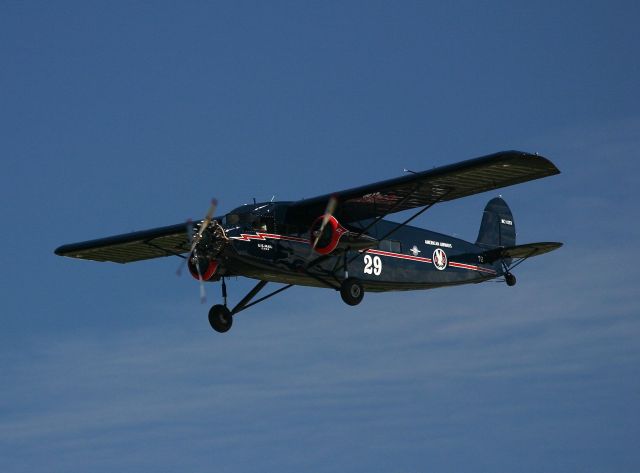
x=207 y=269
x=330 y=237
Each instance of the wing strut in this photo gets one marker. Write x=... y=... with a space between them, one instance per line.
x=392 y=231
x=417 y=214
x=315 y=262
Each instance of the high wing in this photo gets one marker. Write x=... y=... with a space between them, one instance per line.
x=372 y=200
x=137 y=246
x=428 y=187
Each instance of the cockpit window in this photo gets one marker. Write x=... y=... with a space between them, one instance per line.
x=246 y=217
x=231 y=219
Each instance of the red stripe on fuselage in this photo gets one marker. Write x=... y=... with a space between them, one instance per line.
x=389 y=254
x=471 y=267
x=398 y=255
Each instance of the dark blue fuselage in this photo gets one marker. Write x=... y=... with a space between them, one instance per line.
x=265 y=246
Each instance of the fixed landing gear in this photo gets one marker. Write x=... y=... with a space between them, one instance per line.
x=351 y=291
x=220 y=318
x=510 y=279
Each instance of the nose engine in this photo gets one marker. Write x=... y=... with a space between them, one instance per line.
x=203 y=261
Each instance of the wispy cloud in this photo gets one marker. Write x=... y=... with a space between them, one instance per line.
x=426 y=363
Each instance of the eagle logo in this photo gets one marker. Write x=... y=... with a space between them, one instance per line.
x=439 y=259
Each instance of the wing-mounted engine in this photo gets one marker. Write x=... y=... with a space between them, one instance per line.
x=327 y=237
x=203 y=261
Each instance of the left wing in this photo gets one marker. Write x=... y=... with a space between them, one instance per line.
x=428 y=187
x=137 y=246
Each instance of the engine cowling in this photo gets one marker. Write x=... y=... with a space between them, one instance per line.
x=203 y=268
x=330 y=236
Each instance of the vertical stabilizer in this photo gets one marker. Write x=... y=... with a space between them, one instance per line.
x=497 y=227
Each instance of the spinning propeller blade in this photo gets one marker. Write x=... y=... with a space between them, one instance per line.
x=193 y=242
x=328 y=213
x=203 y=226
x=203 y=293
x=205 y=223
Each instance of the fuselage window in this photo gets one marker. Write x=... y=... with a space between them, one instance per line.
x=264 y=224
x=392 y=246
x=230 y=220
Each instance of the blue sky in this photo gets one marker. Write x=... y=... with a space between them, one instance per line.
x=125 y=116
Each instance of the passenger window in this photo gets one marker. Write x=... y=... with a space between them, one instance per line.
x=392 y=246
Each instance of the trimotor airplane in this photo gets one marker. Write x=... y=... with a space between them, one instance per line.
x=341 y=241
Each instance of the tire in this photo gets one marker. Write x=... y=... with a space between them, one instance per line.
x=510 y=279
x=351 y=291
x=220 y=318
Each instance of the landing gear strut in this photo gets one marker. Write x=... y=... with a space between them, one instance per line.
x=351 y=291
x=221 y=318
x=509 y=278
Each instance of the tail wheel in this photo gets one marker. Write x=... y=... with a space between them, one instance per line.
x=220 y=318
x=351 y=291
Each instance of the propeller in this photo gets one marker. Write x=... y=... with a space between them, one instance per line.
x=193 y=241
x=205 y=224
x=203 y=293
x=328 y=213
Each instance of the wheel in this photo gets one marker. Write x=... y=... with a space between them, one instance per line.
x=510 y=279
x=351 y=291
x=220 y=318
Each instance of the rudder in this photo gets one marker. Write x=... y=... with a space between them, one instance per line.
x=497 y=228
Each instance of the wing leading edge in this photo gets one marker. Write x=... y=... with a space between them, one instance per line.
x=428 y=187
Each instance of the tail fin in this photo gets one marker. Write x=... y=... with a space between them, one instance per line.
x=497 y=227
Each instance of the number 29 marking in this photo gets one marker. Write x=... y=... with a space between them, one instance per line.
x=372 y=265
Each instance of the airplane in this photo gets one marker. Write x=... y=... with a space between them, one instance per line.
x=342 y=241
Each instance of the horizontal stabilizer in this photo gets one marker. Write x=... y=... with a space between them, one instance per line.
x=521 y=251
